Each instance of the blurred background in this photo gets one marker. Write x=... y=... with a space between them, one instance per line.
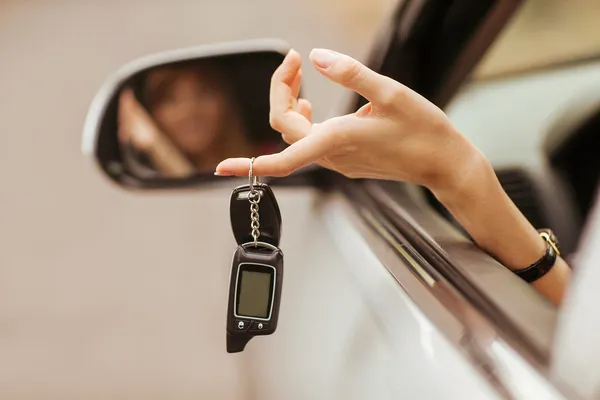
x=544 y=33
x=97 y=300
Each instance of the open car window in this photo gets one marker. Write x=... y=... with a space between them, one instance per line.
x=435 y=59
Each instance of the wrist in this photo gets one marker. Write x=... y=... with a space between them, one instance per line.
x=478 y=202
x=466 y=179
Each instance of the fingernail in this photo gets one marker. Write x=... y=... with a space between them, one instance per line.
x=323 y=58
x=289 y=56
x=217 y=173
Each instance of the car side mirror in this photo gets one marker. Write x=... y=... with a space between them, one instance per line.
x=166 y=120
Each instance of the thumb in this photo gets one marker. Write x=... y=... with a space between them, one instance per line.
x=350 y=73
x=305 y=151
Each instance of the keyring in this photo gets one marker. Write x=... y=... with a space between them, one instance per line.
x=252 y=180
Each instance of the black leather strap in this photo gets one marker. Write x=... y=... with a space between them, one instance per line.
x=541 y=267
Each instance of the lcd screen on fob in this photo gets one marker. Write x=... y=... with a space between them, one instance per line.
x=255 y=289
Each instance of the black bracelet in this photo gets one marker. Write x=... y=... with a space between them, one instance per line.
x=541 y=267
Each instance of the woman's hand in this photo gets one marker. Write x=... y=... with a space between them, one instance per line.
x=398 y=135
x=135 y=125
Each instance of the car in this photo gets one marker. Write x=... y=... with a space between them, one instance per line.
x=385 y=296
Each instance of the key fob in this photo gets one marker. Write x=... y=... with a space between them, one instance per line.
x=270 y=216
x=254 y=293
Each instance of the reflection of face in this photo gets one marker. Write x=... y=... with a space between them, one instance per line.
x=189 y=104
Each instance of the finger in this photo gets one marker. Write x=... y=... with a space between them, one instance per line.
x=350 y=73
x=282 y=81
x=305 y=109
x=285 y=84
x=296 y=84
x=125 y=99
x=364 y=110
x=287 y=139
x=126 y=94
x=123 y=111
x=123 y=134
x=304 y=152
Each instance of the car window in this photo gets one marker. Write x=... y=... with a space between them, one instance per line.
x=544 y=33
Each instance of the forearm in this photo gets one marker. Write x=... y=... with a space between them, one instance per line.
x=486 y=212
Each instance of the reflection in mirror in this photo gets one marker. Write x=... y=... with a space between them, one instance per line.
x=180 y=120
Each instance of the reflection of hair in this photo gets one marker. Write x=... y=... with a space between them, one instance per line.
x=247 y=79
x=207 y=70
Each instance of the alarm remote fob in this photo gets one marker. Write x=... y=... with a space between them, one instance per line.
x=257 y=267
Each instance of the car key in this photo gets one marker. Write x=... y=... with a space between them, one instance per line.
x=270 y=216
x=257 y=267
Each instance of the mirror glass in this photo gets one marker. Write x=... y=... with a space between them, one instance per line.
x=179 y=120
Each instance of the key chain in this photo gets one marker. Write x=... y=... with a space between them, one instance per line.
x=254 y=199
x=257 y=266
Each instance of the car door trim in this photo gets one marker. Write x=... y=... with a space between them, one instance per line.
x=462 y=324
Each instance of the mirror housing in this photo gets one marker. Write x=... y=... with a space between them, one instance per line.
x=191 y=98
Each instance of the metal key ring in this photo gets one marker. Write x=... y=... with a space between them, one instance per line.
x=252 y=180
x=261 y=244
